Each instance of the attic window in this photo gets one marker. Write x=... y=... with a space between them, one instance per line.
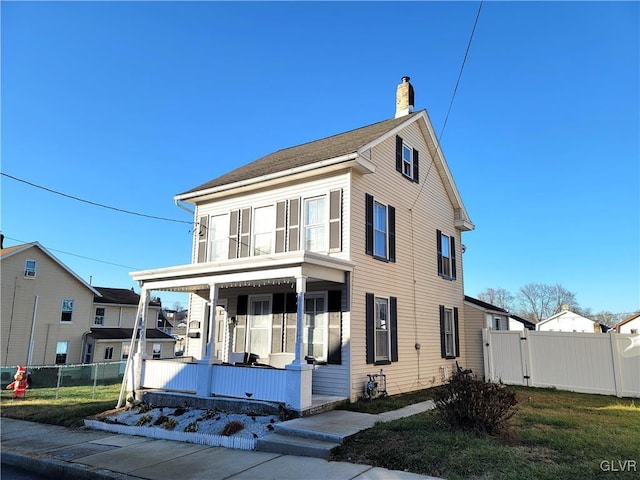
x=30 y=269
x=407 y=160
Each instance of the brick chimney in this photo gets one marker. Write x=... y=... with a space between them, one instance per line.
x=404 y=98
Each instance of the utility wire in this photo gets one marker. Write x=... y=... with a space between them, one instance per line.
x=453 y=96
x=93 y=203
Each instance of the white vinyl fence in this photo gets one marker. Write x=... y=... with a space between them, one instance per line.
x=605 y=363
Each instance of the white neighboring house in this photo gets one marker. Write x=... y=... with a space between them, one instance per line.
x=568 y=321
x=630 y=324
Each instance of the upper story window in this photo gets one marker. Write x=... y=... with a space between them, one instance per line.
x=315 y=224
x=99 y=317
x=446 y=255
x=30 y=269
x=218 y=237
x=67 y=311
x=407 y=160
x=263 y=230
x=380 y=220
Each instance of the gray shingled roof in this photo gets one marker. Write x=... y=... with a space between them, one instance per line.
x=102 y=333
x=306 y=154
x=120 y=296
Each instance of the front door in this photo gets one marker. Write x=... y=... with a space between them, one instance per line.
x=259 y=341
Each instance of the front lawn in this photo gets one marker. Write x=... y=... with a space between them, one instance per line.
x=554 y=435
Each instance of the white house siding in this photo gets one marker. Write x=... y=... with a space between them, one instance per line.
x=52 y=285
x=416 y=255
x=632 y=326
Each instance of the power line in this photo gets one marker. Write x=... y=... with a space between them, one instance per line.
x=93 y=203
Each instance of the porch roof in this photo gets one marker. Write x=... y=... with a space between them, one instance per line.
x=267 y=269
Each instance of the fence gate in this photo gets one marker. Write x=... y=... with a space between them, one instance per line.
x=505 y=357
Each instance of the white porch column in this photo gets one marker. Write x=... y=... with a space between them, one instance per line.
x=210 y=353
x=301 y=289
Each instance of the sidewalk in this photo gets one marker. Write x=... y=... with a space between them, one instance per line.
x=66 y=453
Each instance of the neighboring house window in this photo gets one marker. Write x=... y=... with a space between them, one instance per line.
x=315 y=327
x=88 y=353
x=315 y=224
x=263 y=230
x=380 y=231
x=634 y=330
x=126 y=348
x=157 y=350
x=67 y=311
x=446 y=255
x=381 y=329
x=219 y=237
x=407 y=160
x=449 y=335
x=62 y=349
x=99 y=317
x=30 y=269
x=108 y=353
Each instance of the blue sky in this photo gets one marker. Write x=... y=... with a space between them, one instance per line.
x=128 y=104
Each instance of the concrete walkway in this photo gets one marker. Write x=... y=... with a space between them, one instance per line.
x=65 y=453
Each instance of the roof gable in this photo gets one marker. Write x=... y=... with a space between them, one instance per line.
x=10 y=251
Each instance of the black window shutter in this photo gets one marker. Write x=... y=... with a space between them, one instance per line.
x=453 y=258
x=443 y=347
x=241 y=323
x=370 y=328
x=202 y=238
x=335 y=327
x=398 y=153
x=391 y=212
x=416 y=171
x=455 y=333
x=369 y=223
x=439 y=248
x=393 y=324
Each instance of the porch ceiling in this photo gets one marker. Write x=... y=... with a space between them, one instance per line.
x=254 y=271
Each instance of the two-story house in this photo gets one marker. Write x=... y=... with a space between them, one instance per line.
x=325 y=262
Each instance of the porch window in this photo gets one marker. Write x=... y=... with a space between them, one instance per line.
x=219 y=237
x=449 y=334
x=67 y=311
x=315 y=327
x=99 y=317
x=263 y=228
x=259 y=326
x=62 y=349
x=315 y=224
x=381 y=329
x=446 y=256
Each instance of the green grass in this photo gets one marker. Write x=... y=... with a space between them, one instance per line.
x=72 y=406
x=555 y=435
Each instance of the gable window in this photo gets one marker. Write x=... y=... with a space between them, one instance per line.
x=99 y=317
x=381 y=329
x=449 y=336
x=67 y=311
x=407 y=160
x=263 y=230
x=380 y=229
x=108 y=353
x=61 y=353
x=315 y=222
x=30 y=269
x=218 y=237
x=446 y=255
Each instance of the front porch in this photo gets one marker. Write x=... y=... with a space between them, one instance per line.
x=282 y=373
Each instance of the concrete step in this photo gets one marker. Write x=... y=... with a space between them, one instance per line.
x=290 y=445
x=286 y=429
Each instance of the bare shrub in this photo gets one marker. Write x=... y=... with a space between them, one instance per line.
x=232 y=428
x=469 y=403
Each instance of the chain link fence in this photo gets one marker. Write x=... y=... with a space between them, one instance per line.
x=59 y=376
